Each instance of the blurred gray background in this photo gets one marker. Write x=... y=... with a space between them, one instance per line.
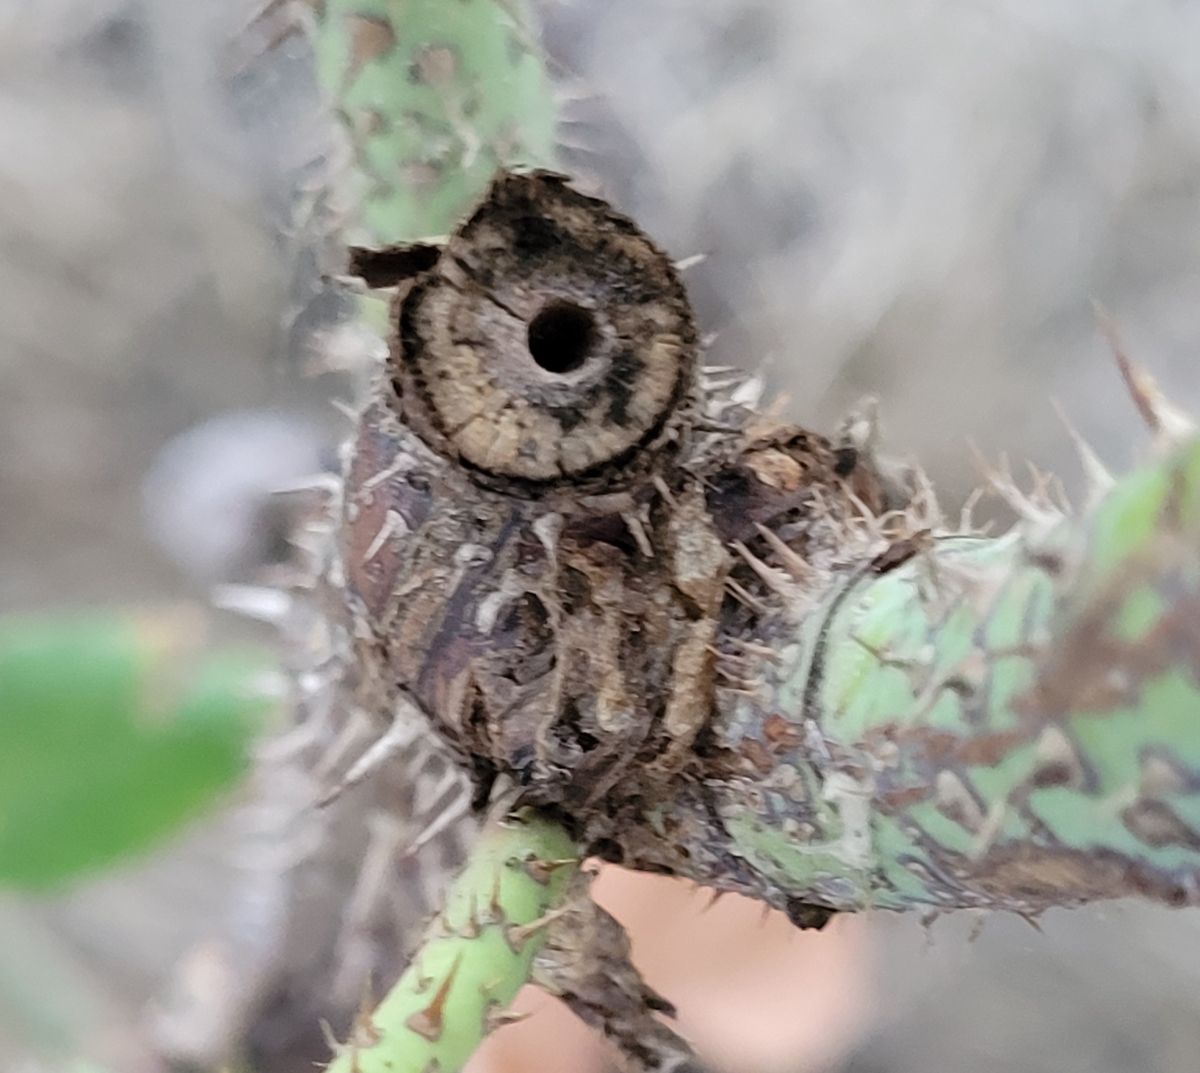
x=907 y=198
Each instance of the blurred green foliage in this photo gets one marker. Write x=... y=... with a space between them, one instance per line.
x=114 y=730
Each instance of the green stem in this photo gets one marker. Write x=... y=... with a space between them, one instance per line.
x=434 y=95
x=475 y=958
x=1007 y=723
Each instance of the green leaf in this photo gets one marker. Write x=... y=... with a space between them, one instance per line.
x=114 y=730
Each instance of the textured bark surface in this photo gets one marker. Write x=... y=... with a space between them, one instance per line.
x=858 y=710
x=560 y=561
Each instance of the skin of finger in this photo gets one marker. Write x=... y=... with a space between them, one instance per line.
x=754 y=994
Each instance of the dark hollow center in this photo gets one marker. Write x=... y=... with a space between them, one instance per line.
x=562 y=337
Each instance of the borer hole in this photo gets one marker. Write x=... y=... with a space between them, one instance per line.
x=561 y=337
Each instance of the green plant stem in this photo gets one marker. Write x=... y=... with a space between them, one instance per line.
x=475 y=957
x=1006 y=723
x=434 y=96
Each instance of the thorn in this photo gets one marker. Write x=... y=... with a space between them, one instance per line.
x=685 y=263
x=577 y=145
x=753 y=648
x=734 y=681
x=1000 y=480
x=426 y=796
x=715 y=426
x=740 y=686
x=326 y=484
x=1041 y=485
x=925 y=507
x=733 y=657
x=873 y=521
x=990 y=830
x=331 y=1041
x=548 y=529
x=638 y=531
x=1031 y=919
x=499 y=1018
x=966 y=517
x=311 y=540
x=746 y=598
x=772 y=578
x=253 y=601
x=342 y=279
x=551 y=863
x=791 y=560
x=1168 y=424
x=401 y=464
x=896 y=525
x=401 y=733
x=355 y=725
x=362 y=1016
x=574 y=92
x=520 y=934
x=542 y=869
x=428 y=1023
x=451 y=814
x=394 y=524
x=729 y=390
x=749 y=393
x=663 y=490
x=1050 y=491
x=287 y=746
x=956 y=800
x=345 y=409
